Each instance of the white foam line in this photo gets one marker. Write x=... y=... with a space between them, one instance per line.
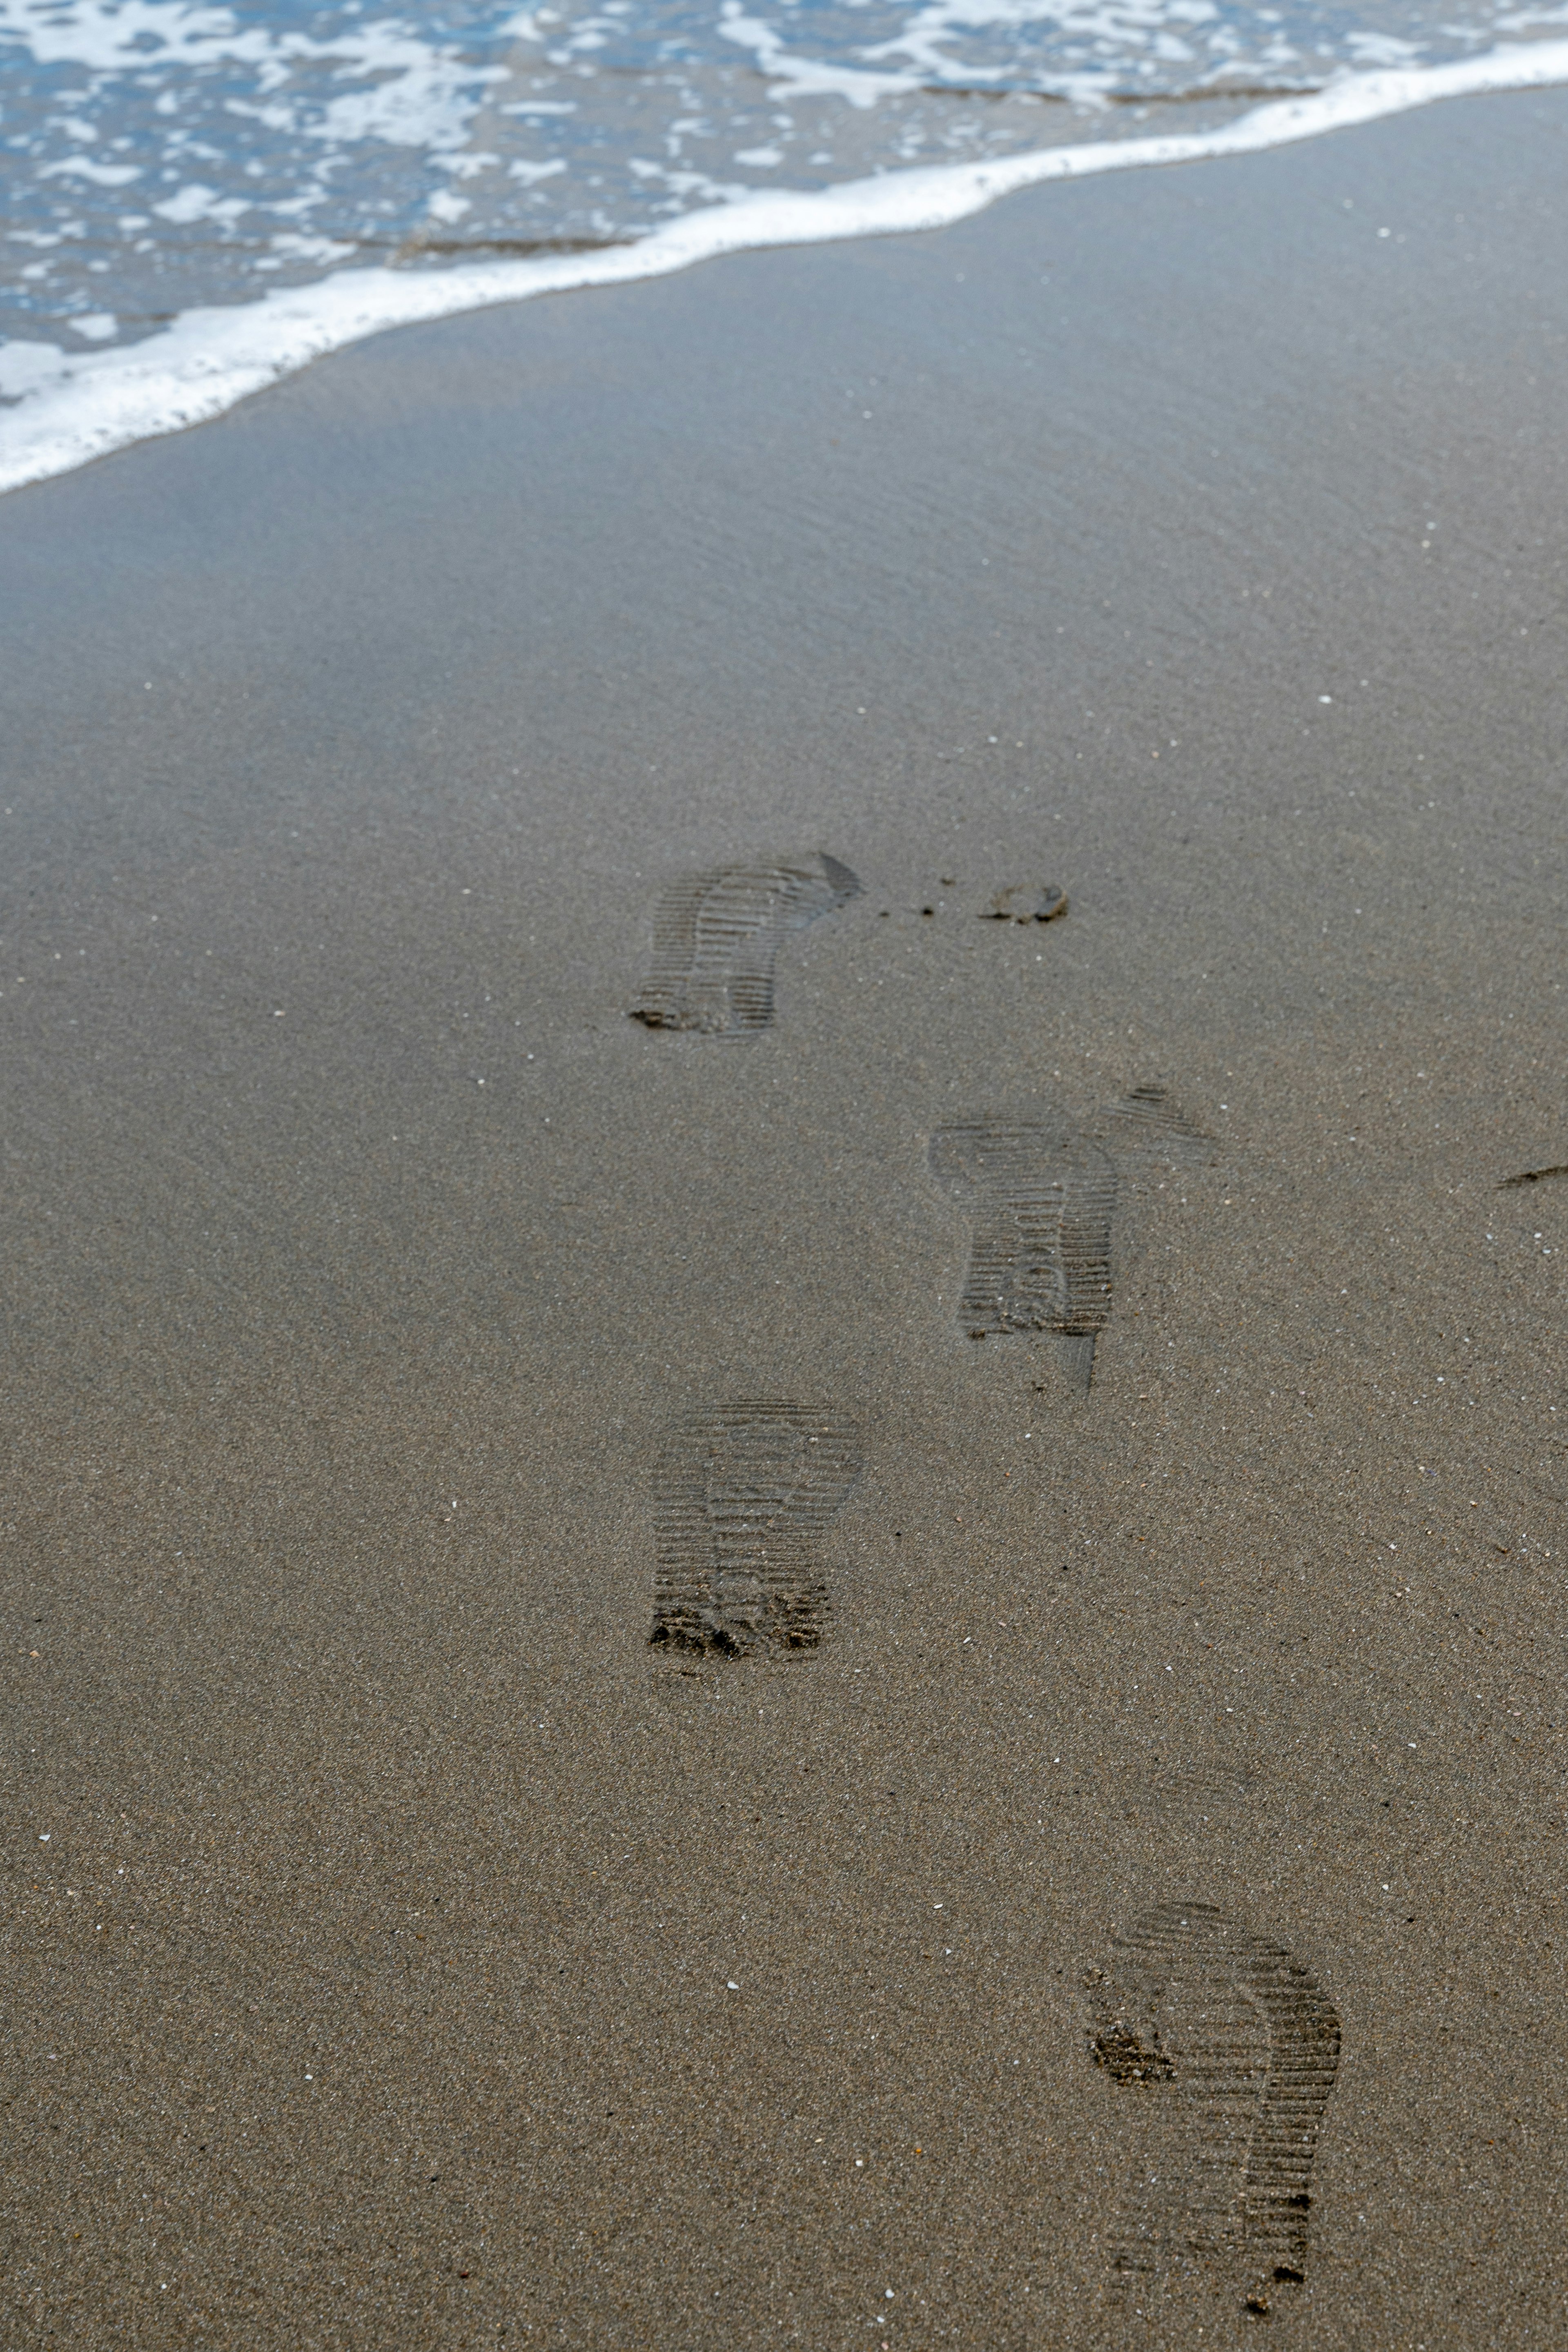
x=209 y=359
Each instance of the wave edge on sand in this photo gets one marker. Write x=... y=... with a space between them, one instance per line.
x=65 y=409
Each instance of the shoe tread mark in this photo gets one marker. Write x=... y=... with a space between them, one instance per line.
x=1044 y=1197
x=716 y=936
x=1241 y=2048
x=1045 y=1194
x=745 y=1493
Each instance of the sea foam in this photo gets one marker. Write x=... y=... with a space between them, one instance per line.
x=67 y=408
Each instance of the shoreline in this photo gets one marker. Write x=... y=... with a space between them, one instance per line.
x=74 y=408
x=404 y=1940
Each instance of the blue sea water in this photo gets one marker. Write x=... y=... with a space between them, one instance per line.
x=162 y=154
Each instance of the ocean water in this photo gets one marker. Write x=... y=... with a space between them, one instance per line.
x=170 y=165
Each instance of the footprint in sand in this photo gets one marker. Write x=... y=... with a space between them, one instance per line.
x=716 y=937
x=1044 y=1195
x=745 y=1493
x=1225 y=2051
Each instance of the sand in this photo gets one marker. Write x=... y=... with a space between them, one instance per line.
x=403 y=1949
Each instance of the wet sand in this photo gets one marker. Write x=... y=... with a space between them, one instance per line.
x=417 y=1955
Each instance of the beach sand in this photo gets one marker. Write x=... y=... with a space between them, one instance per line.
x=402 y=1949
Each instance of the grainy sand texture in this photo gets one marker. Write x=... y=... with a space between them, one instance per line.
x=876 y=1658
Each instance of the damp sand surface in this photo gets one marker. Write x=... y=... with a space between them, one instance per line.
x=1080 y=1864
